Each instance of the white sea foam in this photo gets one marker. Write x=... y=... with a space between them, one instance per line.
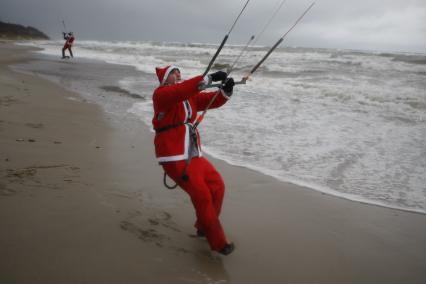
x=347 y=123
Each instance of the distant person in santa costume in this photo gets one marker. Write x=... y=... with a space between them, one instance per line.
x=178 y=149
x=69 y=37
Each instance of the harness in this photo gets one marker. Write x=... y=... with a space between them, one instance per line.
x=192 y=150
x=165 y=128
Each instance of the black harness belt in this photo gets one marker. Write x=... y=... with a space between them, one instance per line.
x=165 y=128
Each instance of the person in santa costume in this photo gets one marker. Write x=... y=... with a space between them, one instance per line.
x=69 y=40
x=178 y=149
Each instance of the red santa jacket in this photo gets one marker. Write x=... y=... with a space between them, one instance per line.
x=175 y=110
x=69 y=40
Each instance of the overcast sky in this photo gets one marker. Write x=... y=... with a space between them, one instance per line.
x=385 y=25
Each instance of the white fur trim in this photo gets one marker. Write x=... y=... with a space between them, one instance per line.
x=168 y=73
x=171 y=158
x=207 y=80
x=184 y=156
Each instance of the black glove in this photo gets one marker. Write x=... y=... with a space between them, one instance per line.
x=218 y=76
x=229 y=86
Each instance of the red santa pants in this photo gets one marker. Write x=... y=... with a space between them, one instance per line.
x=206 y=189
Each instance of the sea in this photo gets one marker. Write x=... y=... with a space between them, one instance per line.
x=347 y=123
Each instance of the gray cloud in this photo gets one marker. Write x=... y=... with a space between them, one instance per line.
x=398 y=25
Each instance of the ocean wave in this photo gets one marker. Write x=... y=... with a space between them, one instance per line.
x=412 y=59
x=406 y=58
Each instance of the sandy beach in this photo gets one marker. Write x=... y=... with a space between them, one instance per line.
x=82 y=201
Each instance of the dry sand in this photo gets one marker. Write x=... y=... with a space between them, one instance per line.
x=83 y=202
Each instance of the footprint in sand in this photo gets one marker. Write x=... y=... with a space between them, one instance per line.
x=163 y=216
x=6 y=191
x=36 y=176
x=21 y=173
x=146 y=235
x=35 y=125
x=7 y=101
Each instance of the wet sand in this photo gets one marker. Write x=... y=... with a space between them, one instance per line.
x=82 y=201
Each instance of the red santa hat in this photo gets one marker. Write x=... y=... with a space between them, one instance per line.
x=163 y=73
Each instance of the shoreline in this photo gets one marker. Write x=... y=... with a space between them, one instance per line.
x=318 y=189
x=107 y=218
